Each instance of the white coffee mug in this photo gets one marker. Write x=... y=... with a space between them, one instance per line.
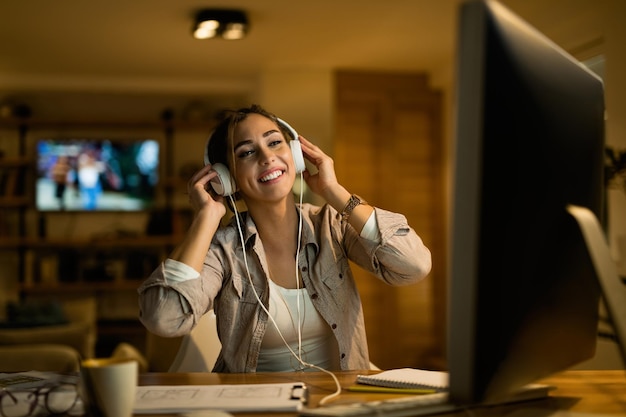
x=108 y=386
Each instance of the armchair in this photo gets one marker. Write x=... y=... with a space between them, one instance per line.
x=56 y=347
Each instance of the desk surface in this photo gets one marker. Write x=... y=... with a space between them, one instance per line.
x=598 y=392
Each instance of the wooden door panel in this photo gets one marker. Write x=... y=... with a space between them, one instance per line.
x=387 y=149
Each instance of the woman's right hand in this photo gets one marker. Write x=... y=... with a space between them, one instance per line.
x=209 y=209
x=201 y=194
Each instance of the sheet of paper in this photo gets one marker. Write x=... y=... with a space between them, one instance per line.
x=157 y=399
x=33 y=379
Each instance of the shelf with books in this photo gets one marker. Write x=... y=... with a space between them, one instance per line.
x=73 y=266
x=118 y=243
x=66 y=251
x=80 y=287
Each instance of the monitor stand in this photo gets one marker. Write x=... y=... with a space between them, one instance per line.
x=613 y=290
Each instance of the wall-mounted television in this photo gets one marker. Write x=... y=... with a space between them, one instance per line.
x=96 y=174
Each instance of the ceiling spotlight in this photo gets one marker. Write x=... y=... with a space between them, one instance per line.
x=223 y=23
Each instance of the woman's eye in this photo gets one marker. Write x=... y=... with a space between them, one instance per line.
x=245 y=153
x=275 y=143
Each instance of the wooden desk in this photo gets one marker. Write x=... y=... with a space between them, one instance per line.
x=599 y=392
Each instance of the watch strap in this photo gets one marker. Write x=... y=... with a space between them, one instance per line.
x=352 y=203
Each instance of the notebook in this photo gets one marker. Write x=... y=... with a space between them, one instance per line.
x=407 y=378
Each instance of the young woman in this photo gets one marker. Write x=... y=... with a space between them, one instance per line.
x=277 y=275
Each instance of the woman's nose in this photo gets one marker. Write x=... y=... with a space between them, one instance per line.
x=266 y=156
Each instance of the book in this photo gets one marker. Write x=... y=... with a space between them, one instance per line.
x=407 y=378
x=389 y=390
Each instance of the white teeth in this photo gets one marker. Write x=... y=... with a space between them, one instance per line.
x=272 y=176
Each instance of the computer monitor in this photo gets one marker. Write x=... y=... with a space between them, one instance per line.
x=529 y=141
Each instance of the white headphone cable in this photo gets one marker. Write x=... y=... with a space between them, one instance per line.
x=298 y=269
x=245 y=260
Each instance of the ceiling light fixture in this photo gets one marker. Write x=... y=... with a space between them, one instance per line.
x=224 y=23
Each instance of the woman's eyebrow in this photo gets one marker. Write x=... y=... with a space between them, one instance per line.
x=241 y=143
x=270 y=132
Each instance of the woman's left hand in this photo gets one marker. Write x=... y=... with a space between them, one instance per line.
x=325 y=178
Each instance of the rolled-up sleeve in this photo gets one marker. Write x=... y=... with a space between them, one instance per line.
x=164 y=308
x=399 y=258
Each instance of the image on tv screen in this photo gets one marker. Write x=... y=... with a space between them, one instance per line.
x=96 y=174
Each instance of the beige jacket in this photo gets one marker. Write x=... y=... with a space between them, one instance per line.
x=173 y=308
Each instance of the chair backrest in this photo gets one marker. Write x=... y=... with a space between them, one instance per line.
x=199 y=349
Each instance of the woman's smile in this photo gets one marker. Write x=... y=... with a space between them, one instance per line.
x=272 y=175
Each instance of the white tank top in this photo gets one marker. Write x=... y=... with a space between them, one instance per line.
x=318 y=346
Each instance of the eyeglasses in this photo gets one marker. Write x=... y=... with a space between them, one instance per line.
x=58 y=398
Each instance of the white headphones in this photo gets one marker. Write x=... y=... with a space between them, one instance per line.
x=224 y=183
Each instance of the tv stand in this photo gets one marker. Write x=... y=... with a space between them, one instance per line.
x=613 y=290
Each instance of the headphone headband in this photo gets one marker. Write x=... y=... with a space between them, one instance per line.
x=291 y=130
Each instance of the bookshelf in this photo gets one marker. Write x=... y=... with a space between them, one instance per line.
x=25 y=230
x=107 y=254
x=14 y=201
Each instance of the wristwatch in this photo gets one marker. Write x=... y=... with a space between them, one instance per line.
x=354 y=201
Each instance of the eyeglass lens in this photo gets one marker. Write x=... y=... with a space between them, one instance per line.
x=58 y=399
x=61 y=398
x=17 y=403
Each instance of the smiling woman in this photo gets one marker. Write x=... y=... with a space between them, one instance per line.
x=278 y=276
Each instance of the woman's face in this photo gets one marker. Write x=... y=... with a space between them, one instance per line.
x=262 y=159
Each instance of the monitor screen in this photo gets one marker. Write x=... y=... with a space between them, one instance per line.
x=99 y=174
x=529 y=141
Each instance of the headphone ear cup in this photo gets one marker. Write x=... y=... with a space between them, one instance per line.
x=296 y=149
x=223 y=183
x=298 y=158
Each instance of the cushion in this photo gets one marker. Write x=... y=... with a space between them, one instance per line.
x=76 y=335
x=44 y=357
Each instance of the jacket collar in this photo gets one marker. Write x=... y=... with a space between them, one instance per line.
x=250 y=231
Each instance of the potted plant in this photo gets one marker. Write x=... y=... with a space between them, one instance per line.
x=614 y=175
x=615 y=168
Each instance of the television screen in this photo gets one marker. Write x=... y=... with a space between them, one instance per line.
x=83 y=174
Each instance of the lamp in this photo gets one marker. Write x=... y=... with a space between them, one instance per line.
x=224 y=23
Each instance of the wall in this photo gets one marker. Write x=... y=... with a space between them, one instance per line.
x=305 y=99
